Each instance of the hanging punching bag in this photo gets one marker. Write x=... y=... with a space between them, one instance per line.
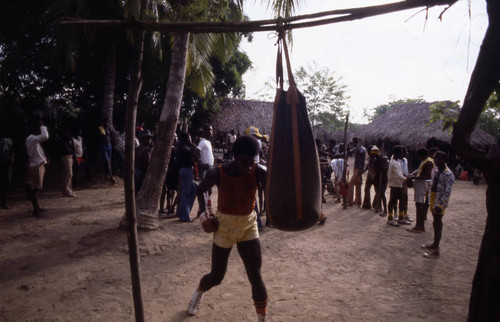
x=293 y=185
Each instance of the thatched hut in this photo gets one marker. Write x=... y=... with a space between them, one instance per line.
x=408 y=125
x=238 y=115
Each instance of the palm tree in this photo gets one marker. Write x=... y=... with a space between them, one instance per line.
x=190 y=53
x=149 y=195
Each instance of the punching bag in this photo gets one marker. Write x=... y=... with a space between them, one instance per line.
x=293 y=184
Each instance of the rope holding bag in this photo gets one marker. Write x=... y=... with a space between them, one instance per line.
x=293 y=184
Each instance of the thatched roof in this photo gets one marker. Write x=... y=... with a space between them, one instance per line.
x=407 y=124
x=239 y=114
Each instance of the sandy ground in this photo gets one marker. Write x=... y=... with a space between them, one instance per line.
x=73 y=265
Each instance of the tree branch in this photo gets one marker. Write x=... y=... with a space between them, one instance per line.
x=263 y=25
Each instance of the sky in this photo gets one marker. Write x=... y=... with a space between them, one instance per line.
x=379 y=59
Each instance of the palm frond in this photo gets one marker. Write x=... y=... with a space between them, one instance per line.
x=201 y=78
x=283 y=8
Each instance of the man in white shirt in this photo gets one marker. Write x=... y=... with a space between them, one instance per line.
x=395 y=180
x=36 y=167
x=205 y=149
x=230 y=138
x=403 y=205
x=337 y=166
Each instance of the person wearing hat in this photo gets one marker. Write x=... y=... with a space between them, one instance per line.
x=252 y=130
x=373 y=177
x=142 y=157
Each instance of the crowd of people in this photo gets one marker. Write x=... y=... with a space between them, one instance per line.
x=432 y=182
x=240 y=181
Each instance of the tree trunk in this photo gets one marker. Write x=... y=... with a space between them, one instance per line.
x=149 y=195
x=483 y=305
x=130 y=210
x=109 y=90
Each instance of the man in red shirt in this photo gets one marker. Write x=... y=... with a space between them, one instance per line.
x=237 y=182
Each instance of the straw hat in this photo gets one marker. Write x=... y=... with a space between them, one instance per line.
x=252 y=130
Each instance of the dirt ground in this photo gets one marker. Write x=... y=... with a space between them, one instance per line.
x=73 y=265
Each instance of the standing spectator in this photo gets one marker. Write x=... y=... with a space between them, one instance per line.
x=373 y=177
x=67 y=151
x=420 y=178
x=187 y=186
x=138 y=129
x=237 y=183
x=142 y=157
x=331 y=149
x=205 y=150
x=442 y=183
x=337 y=166
x=320 y=147
x=356 y=181
x=106 y=150
x=395 y=179
x=264 y=140
x=380 y=199
x=169 y=187
x=253 y=131
x=79 y=161
x=78 y=147
x=326 y=173
x=6 y=162
x=36 y=167
x=230 y=138
x=119 y=147
x=403 y=204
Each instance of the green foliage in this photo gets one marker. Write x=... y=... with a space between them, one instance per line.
x=283 y=8
x=489 y=121
x=228 y=82
x=382 y=109
x=42 y=61
x=494 y=100
x=325 y=95
x=229 y=75
x=447 y=112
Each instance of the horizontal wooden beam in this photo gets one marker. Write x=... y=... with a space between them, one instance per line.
x=288 y=23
